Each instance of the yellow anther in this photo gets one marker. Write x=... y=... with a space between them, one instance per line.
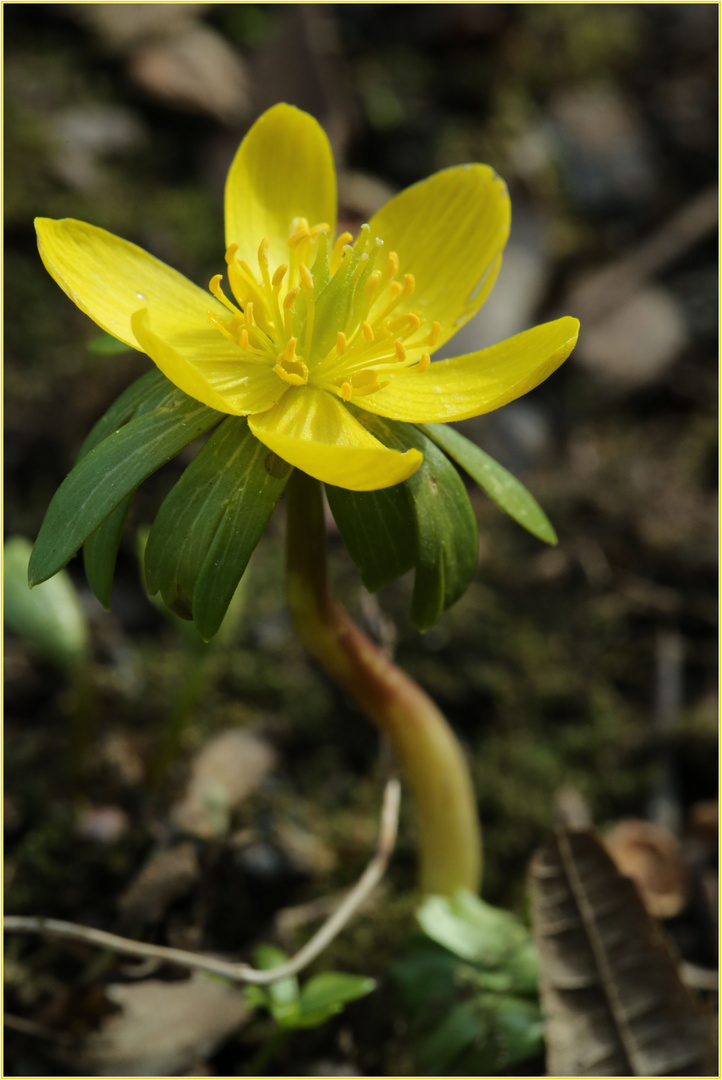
x=372 y=286
x=400 y=350
x=337 y=253
x=289 y=302
x=395 y=289
x=214 y=286
x=279 y=275
x=306 y=278
x=346 y=391
x=367 y=331
x=392 y=265
x=435 y=332
x=302 y=233
x=409 y=284
x=243 y=341
x=362 y=391
x=423 y=363
x=322 y=227
x=290 y=351
x=250 y=320
x=341 y=343
x=414 y=320
x=231 y=252
x=263 y=252
x=220 y=325
x=299 y=224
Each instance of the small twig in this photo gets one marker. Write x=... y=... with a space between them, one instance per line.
x=30 y=1027
x=240 y=972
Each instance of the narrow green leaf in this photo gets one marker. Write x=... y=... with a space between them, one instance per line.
x=107 y=345
x=508 y=493
x=283 y=995
x=103 y=478
x=378 y=530
x=209 y=524
x=49 y=618
x=100 y=550
x=326 y=994
x=447 y=540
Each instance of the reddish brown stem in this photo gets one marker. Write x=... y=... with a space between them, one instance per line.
x=432 y=761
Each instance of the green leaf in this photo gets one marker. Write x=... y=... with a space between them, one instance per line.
x=378 y=529
x=447 y=541
x=100 y=550
x=508 y=493
x=111 y=471
x=209 y=524
x=472 y=929
x=51 y=617
x=283 y=995
x=459 y=1029
x=326 y=994
x=148 y=392
x=107 y=345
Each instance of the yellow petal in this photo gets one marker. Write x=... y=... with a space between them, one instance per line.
x=209 y=368
x=313 y=431
x=449 y=232
x=282 y=170
x=109 y=278
x=479 y=382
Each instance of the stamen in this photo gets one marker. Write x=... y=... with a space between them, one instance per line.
x=409 y=284
x=220 y=325
x=289 y=308
x=289 y=367
x=400 y=350
x=250 y=320
x=289 y=302
x=346 y=391
x=423 y=363
x=307 y=279
x=368 y=331
x=434 y=334
x=341 y=343
x=279 y=275
x=214 y=286
x=392 y=266
x=231 y=252
x=337 y=253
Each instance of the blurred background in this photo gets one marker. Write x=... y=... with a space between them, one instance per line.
x=581 y=678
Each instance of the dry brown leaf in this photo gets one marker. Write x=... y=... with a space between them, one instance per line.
x=226 y=771
x=165 y=877
x=194 y=68
x=650 y=855
x=164 y=1028
x=120 y=25
x=614 y=1002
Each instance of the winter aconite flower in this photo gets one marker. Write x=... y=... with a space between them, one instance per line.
x=311 y=322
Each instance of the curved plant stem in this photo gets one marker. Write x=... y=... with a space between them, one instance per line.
x=431 y=758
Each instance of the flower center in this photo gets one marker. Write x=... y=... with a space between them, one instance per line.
x=339 y=319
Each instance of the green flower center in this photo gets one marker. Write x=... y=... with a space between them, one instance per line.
x=326 y=318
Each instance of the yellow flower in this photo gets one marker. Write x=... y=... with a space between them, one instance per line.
x=317 y=321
